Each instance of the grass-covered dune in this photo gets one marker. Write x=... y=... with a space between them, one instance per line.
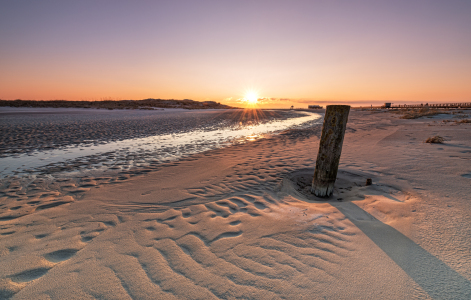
x=121 y=104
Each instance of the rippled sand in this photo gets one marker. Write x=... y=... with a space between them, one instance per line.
x=237 y=223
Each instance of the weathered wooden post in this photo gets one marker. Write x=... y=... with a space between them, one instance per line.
x=330 y=148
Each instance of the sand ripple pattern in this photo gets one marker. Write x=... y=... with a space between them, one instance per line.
x=234 y=237
x=240 y=247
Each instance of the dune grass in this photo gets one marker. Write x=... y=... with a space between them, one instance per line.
x=418 y=113
x=463 y=121
x=435 y=140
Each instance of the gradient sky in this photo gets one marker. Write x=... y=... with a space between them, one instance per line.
x=289 y=52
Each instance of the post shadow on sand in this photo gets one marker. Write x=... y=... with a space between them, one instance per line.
x=434 y=276
x=430 y=273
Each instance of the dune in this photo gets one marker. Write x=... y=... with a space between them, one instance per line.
x=240 y=223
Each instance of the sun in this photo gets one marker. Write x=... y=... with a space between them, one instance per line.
x=251 y=97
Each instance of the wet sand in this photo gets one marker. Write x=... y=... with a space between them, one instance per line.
x=29 y=129
x=237 y=222
x=80 y=142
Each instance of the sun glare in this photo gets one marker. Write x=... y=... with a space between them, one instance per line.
x=251 y=97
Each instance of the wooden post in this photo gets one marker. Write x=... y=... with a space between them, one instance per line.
x=330 y=148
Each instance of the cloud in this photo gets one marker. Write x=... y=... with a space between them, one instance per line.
x=309 y=101
x=261 y=100
x=346 y=102
x=264 y=100
x=271 y=100
x=322 y=101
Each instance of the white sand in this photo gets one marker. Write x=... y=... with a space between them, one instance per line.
x=234 y=223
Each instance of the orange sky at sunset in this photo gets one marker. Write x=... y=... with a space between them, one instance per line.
x=289 y=53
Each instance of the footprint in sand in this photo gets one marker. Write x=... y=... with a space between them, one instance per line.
x=51 y=205
x=7 y=233
x=29 y=275
x=11 y=217
x=90 y=235
x=86 y=239
x=468 y=175
x=60 y=255
x=234 y=223
x=110 y=223
x=40 y=236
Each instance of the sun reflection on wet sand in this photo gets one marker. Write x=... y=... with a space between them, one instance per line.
x=153 y=149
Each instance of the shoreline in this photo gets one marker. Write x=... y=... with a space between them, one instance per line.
x=75 y=126
x=228 y=222
x=126 y=141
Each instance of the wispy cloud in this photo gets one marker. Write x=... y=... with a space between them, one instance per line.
x=260 y=100
x=348 y=102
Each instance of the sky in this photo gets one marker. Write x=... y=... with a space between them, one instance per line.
x=284 y=52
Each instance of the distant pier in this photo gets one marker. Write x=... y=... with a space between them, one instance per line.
x=426 y=105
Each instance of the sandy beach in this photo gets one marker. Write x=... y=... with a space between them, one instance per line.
x=237 y=222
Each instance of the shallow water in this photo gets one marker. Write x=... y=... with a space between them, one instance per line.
x=102 y=155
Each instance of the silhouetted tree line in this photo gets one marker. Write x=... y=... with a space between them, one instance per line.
x=119 y=104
